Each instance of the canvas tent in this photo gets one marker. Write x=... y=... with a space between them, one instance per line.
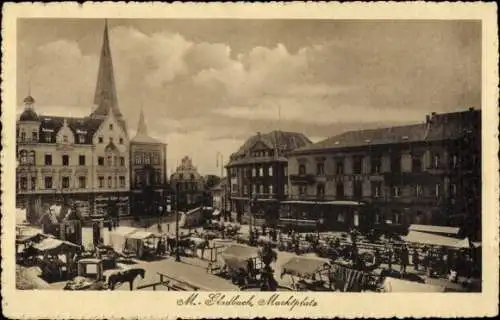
x=118 y=237
x=435 y=240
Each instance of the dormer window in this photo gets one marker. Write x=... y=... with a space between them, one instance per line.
x=65 y=139
x=48 y=137
x=81 y=138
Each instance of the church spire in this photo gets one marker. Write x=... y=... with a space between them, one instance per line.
x=142 y=129
x=105 y=93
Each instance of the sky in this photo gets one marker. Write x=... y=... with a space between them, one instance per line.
x=208 y=85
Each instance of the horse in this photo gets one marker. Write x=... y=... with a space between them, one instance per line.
x=127 y=275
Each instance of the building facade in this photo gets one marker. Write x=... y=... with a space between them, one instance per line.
x=187 y=184
x=148 y=173
x=219 y=197
x=85 y=159
x=427 y=173
x=257 y=175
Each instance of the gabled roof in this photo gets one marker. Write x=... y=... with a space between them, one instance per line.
x=275 y=139
x=79 y=126
x=111 y=147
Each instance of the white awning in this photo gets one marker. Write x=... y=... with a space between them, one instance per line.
x=216 y=212
x=435 y=240
x=398 y=285
x=434 y=229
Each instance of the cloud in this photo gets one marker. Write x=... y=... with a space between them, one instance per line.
x=200 y=96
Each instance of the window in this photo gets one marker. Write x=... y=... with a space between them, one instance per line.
x=453 y=188
x=254 y=189
x=341 y=217
x=48 y=159
x=101 y=182
x=65 y=182
x=65 y=160
x=110 y=161
x=377 y=218
x=376 y=189
x=65 y=139
x=81 y=160
x=121 y=140
x=48 y=182
x=454 y=161
x=110 y=182
x=122 y=161
x=23 y=155
x=48 y=137
x=396 y=163
x=357 y=165
x=23 y=136
x=82 y=182
x=261 y=189
x=285 y=171
x=358 y=189
x=254 y=172
x=339 y=190
x=320 y=190
x=122 y=181
x=436 y=161
x=416 y=163
x=245 y=189
x=376 y=164
x=100 y=161
x=396 y=217
x=302 y=169
x=110 y=126
x=438 y=189
x=419 y=190
x=261 y=172
x=156 y=158
x=81 y=138
x=101 y=139
x=395 y=191
x=302 y=190
x=270 y=171
x=339 y=165
x=24 y=183
x=31 y=157
x=34 y=136
x=285 y=189
x=33 y=183
x=271 y=189
x=138 y=159
x=320 y=168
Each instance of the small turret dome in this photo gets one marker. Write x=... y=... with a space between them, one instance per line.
x=29 y=115
x=29 y=100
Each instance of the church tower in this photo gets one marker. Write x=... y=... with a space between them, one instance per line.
x=105 y=97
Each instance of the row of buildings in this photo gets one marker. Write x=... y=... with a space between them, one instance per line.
x=92 y=159
x=423 y=173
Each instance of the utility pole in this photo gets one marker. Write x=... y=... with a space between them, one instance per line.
x=177 y=253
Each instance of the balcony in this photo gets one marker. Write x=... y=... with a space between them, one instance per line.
x=302 y=178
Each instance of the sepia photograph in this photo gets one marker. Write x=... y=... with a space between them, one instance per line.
x=287 y=156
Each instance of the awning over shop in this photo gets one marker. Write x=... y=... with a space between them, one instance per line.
x=304 y=267
x=241 y=252
x=435 y=240
x=398 y=285
x=55 y=246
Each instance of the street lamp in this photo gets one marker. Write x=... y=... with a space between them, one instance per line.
x=177 y=253
x=220 y=162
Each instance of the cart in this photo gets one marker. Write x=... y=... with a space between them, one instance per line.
x=242 y=264
x=90 y=276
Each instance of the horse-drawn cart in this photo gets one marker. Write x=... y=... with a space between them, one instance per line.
x=242 y=264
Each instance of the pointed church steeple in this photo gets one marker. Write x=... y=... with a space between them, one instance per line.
x=105 y=93
x=142 y=129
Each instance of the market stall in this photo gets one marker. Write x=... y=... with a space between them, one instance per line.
x=313 y=273
x=241 y=263
x=398 y=285
x=142 y=243
x=118 y=238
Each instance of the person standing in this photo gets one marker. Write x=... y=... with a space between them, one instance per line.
x=415 y=259
x=404 y=258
